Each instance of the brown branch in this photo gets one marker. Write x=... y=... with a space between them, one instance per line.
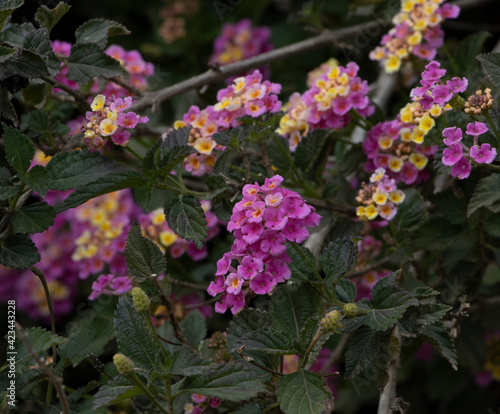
x=327 y=37
x=121 y=82
x=52 y=377
x=186 y=284
x=78 y=97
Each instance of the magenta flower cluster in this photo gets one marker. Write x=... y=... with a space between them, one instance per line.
x=137 y=68
x=327 y=103
x=433 y=90
x=246 y=96
x=109 y=118
x=241 y=41
x=262 y=222
x=454 y=155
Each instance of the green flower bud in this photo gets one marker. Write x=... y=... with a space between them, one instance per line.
x=141 y=300
x=123 y=364
x=457 y=102
x=331 y=321
x=350 y=310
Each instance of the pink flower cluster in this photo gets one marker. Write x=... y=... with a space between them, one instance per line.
x=327 y=103
x=389 y=145
x=109 y=118
x=433 y=90
x=454 y=156
x=417 y=32
x=157 y=229
x=200 y=404
x=241 y=41
x=379 y=198
x=132 y=62
x=247 y=96
x=262 y=222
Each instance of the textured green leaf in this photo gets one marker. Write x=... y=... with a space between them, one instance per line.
x=18 y=252
x=346 y=291
x=415 y=318
x=194 y=327
x=301 y=265
x=424 y=292
x=232 y=382
x=73 y=169
x=187 y=219
x=37 y=179
x=114 y=391
x=491 y=66
x=248 y=408
x=467 y=51
x=14 y=34
x=88 y=335
x=98 y=31
x=6 y=9
x=143 y=256
x=217 y=186
x=438 y=336
x=223 y=162
x=19 y=150
x=7 y=110
x=310 y=148
x=304 y=392
x=40 y=340
x=26 y=64
x=103 y=185
x=7 y=188
x=34 y=218
x=143 y=195
x=185 y=362
x=88 y=61
x=361 y=351
x=411 y=213
x=135 y=340
x=38 y=41
x=49 y=17
x=486 y=194
x=6 y=53
x=338 y=258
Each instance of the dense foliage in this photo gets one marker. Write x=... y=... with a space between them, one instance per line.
x=292 y=231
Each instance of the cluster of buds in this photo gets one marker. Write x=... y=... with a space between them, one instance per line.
x=246 y=96
x=379 y=198
x=389 y=145
x=454 y=156
x=481 y=101
x=417 y=32
x=262 y=222
x=218 y=343
x=327 y=103
x=109 y=118
x=173 y=25
x=241 y=41
x=156 y=228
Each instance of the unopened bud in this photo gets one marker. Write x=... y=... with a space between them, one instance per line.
x=350 y=310
x=140 y=299
x=331 y=321
x=123 y=364
x=457 y=102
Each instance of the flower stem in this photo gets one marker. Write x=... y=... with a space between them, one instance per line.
x=133 y=152
x=135 y=379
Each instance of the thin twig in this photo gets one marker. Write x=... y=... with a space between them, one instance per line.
x=161 y=338
x=251 y=361
x=78 y=97
x=52 y=377
x=366 y=269
x=121 y=82
x=265 y=158
x=187 y=284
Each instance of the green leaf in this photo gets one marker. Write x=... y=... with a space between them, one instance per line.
x=7 y=188
x=491 y=66
x=135 y=339
x=304 y=392
x=194 y=327
x=232 y=381
x=19 y=150
x=49 y=17
x=187 y=219
x=38 y=41
x=103 y=185
x=114 y=391
x=223 y=162
x=310 y=148
x=98 y=31
x=467 y=51
x=438 y=336
x=73 y=169
x=26 y=64
x=88 y=61
x=361 y=351
x=88 y=335
x=338 y=258
x=486 y=194
x=34 y=218
x=6 y=53
x=415 y=318
x=40 y=340
x=18 y=252
x=424 y=292
x=37 y=179
x=143 y=256
x=38 y=121
x=351 y=160
x=6 y=9
x=345 y=290
x=302 y=264
x=217 y=186
x=248 y=408
x=185 y=362
x=411 y=213
x=143 y=195
x=7 y=110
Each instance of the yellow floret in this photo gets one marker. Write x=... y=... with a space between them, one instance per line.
x=418 y=160
x=415 y=38
x=406 y=115
x=371 y=212
x=107 y=127
x=334 y=72
x=405 y=134
x=205 y=145
x=385 y=142
x=167 y=238
x=436 y=110
x=157 y=217
x=395 y=164
x=426 y=124
x=392 y=64
x=417 y=136
x=379 y=197
x=397 y=197
x=179 y=124
x=98 y=103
